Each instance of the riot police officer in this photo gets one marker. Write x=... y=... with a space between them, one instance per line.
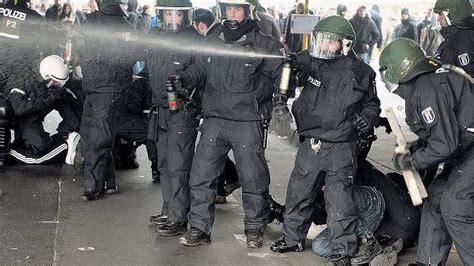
x=177 y=126
x=25 y=40
x=439 y=106
x=338 y=103
x=455 y=17
x=236 y=102
x=107 y=60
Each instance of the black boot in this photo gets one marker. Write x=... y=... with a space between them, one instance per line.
x=195 y=237
x=90 y=196
x=276 y=211
x=254 y=238
x=280 y=246
x=368 y=249
x=158 y=219
x=111 y=190
x=172 y=228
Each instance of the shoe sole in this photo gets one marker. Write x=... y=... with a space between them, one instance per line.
x=375 y=254
x=254 y=245
x=100 y=196
x=286 y=251
x=171 y=233
x=183 y=241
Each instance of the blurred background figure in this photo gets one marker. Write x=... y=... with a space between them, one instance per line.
x=407 y=28
x=377 y=18
x=367 y=34
x=429 y=33
x=144 y=24
x=341 y=10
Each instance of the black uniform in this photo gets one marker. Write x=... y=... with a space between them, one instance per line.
x=458 y=45
x=335 y=91
x=25 y=39
x=440 y=110
x=133 y=127
x=236 y=99
x=177 y=132
x=107 y=59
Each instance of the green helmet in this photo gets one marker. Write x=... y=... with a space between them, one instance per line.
x=250 y=6
x=174 y=3
x=332 y=29
x=403 y=59
x=106 y=3
x=178 y=12
x=456 y=9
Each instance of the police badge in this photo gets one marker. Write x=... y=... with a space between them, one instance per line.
x=464 y=59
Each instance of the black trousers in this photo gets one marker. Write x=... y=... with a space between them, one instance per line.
x=448 y=214
x=100 y=118
x=219 y=136
x=336 y=163
x=176 y=142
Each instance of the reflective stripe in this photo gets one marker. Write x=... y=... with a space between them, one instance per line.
x=18 y=90
x=40 y=160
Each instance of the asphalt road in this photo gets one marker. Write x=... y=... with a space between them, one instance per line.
x=44 y=221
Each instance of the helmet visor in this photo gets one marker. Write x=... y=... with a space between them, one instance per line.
x=325 y=45
x=391 y=87
x=233 y=11
x=174 y=19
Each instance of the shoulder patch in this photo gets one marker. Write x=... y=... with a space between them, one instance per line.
x=428 y=115
x=464 y=59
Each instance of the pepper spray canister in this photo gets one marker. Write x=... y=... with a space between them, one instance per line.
x=67 y=53
x=285 y=78
x=172 y=97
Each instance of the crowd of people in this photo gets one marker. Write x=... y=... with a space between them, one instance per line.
x=120 y=80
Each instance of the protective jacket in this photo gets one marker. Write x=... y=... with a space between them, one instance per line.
x=440 y=110
x=458 y=46
x=169 y=61
x=238 y=87
x=334 y=92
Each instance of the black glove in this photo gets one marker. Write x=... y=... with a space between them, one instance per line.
x=402 y=161
x=294 y=65
x=361 y=123
x=178 y=83
x=51 y=96
x=279 y=105
x=384 y=123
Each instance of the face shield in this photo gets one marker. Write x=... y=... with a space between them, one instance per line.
x=326 y=45
x=174 y=19
x=391 y=87
x=443 y=18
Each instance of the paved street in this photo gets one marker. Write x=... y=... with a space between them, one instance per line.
x=44 y=221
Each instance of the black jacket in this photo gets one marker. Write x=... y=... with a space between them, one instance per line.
x=366 y=33
x=164 y=61
x=107 y=54
x=407 y=29
x=334 y=92
x=241 y=87
x=458 y=46
x=439 y=109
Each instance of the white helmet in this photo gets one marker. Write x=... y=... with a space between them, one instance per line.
x=53 y=68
